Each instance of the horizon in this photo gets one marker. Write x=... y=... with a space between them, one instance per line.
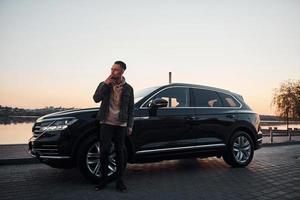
x=55 y=53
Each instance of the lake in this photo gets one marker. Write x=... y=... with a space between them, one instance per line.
x=16 y=133
x=281 y=126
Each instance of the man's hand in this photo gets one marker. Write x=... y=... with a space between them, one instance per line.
x=109 y=80
x=129 y=131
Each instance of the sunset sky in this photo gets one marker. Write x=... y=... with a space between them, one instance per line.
x=55 y=53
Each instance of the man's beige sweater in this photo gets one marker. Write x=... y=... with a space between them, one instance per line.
x=112 y=116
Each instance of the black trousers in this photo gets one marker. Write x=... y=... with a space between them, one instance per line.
x=116 y=134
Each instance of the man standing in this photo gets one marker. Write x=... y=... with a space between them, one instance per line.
x=116 y=120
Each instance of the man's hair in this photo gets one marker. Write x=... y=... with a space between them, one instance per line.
x=122 y=64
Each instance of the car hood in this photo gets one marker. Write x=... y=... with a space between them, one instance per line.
x=69 y=113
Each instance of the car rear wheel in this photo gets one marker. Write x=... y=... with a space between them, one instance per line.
x=240 y=150
x=88 y=160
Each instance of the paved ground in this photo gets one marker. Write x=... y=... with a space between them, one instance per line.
x=273 y=174
x=15 y=154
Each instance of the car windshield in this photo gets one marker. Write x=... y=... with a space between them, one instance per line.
x=143 y=92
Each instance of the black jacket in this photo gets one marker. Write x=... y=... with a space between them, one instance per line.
x=102 y=93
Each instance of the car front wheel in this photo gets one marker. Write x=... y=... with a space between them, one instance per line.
x=240 y=150
x=88 y=160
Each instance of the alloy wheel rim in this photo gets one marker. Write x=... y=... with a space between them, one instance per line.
x=241 y=149
x=93 y=160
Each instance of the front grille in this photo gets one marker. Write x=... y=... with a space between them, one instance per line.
x=46 y=150
x=36 y=129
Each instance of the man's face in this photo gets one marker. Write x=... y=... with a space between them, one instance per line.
x=117 y=71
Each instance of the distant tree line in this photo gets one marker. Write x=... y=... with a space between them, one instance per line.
x=6 y=111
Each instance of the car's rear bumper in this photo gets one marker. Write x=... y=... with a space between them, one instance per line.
x=259 y=140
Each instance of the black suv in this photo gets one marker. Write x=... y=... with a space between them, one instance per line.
x=170 y=122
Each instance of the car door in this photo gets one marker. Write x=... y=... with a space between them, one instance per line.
x=169 y=127
x=212 y=120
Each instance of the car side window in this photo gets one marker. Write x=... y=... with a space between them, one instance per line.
x=176 y=97
x=205 y=98
x=228 y=100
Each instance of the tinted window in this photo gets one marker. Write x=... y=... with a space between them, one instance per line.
x=176 y=97
x=142 y=93
x=228 y=100
x=205 y=98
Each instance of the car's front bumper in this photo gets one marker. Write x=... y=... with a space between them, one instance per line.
x=46 y=150
x=36 y=154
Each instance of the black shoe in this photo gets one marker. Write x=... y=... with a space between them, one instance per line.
x=100 y=185
x=121 y=186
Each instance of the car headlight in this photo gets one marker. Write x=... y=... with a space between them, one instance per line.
x=56 y=124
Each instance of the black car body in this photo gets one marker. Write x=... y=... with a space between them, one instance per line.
x=170 y=122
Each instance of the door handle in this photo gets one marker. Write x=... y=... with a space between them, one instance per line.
x=191 y=118
x=231 y=116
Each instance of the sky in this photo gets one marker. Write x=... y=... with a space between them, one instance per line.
x=56 y=52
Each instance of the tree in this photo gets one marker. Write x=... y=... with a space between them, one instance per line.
x=286 y=99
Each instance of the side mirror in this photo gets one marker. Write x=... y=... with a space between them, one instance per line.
x=158 y=103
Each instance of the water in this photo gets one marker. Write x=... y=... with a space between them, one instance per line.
x=282 y=127
x=18 y=133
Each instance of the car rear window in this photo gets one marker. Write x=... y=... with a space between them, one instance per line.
x=228 y=100
x=205 y=98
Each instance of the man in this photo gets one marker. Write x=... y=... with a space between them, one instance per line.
x=116 y=120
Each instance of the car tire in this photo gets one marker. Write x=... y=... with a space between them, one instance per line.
x=240 y=150
x=87 y=147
